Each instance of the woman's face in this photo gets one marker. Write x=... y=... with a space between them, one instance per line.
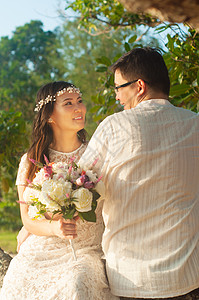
x=69 y=112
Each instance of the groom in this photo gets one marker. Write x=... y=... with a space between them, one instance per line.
x=148 y=155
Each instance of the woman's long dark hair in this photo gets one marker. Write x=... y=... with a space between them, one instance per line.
x=42 y=134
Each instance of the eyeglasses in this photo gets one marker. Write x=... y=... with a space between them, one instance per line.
x=126 y=84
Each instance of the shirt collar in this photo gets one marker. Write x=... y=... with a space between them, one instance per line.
x=154 y=101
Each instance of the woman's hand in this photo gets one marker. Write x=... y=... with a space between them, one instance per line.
x=21 y=237
x=65 y=229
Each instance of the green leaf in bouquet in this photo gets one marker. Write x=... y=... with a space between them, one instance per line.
x=37 y=203
x=73 y=199
x=69 y=213
x=74 y=165
x=96 y=196
x=89 y=216
x=36 y=186
x=81 y=217
x=55 y=212
x=42 y=212
x=36 y=163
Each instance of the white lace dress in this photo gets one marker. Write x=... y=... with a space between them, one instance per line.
x=45 y=269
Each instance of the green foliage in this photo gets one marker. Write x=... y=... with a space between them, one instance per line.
x=8 y=241
x=13 y=141
x=182 y=60
x=181 y=54
x=104 y=99
x=28 y=59
x=100 y=15
x=9 y=211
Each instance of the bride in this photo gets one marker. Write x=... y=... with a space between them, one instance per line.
x=45 y=268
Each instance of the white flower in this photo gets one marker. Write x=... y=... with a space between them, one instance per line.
x=75 y=174
x=92 y=176
x=60 y=167
x=29 y=194
x=59 y=175
x=50 y=204
x=39 y=177
x=84 y=199
x=57 y=189
x=33 y=212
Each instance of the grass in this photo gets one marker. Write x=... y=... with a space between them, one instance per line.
x=8 y=241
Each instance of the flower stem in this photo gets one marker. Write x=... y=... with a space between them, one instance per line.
x=73 y=249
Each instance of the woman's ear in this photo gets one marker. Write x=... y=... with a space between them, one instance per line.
x=50 y=120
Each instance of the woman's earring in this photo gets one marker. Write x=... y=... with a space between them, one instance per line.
x=50 y=120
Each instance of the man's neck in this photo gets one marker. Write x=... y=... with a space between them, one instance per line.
x=155 y=95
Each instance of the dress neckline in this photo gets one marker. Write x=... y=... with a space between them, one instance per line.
x=66 y=153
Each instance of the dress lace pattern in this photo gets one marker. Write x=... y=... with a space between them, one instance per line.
x=45 y=269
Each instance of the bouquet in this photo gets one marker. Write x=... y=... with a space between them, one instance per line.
x=65 y=189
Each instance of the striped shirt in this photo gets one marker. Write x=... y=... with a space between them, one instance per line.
x=149 y=159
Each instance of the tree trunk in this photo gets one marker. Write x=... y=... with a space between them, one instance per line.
x=174 y=11
x=5 y=260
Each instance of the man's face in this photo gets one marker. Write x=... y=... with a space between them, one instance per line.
x=126 y=95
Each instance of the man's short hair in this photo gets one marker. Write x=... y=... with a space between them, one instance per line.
x=146 y=64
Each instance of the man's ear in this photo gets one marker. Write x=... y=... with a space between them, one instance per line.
x=141 y=87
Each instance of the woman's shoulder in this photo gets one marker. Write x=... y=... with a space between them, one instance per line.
x=24 y=158
x=22 y=170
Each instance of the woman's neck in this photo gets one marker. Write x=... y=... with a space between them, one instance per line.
x=66 y=143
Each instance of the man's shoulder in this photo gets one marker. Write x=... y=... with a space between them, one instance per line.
x=116 y=116
x=186 y=111
x=116 y=120
x=186 y=114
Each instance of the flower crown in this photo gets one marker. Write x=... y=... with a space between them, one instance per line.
x=50 y=98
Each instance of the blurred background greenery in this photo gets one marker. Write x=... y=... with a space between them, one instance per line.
x=80 y=50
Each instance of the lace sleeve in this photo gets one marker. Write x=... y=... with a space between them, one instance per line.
x=22 y=171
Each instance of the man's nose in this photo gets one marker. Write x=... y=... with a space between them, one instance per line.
x=117 y=97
